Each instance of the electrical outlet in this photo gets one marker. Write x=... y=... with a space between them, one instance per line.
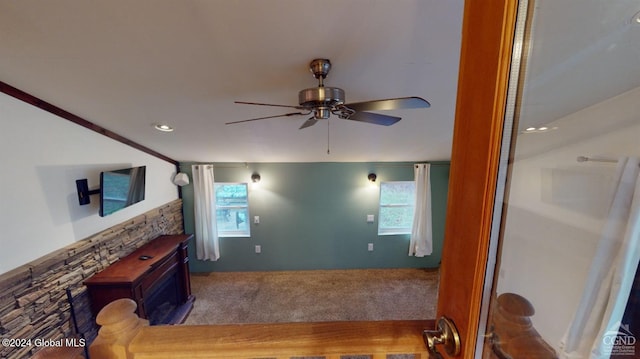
x=370 y=218
x=258 y=249
x=370 y=247
x=256 y=219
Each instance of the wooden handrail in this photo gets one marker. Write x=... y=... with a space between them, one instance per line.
x=376 y=339
x=512 y=332
x=119 y=325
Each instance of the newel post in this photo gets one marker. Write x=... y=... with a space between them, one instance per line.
x=119 y=325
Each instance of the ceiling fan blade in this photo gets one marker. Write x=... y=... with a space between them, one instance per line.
x=266 y=117
x=374 y=118
x=267 y=104
x=390 y=104
x=308 y=123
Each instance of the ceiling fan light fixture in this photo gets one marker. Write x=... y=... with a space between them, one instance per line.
x=322 y=113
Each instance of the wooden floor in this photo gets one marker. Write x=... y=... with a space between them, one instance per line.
x=314 y=296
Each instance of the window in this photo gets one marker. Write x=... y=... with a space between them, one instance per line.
x=397 y=202
x=232 y=209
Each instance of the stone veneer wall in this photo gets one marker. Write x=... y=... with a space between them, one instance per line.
x=33 y=299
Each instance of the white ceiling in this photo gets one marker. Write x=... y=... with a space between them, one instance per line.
x=584 y=51
x=127 y=65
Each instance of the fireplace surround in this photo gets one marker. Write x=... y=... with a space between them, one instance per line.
x=155 y=276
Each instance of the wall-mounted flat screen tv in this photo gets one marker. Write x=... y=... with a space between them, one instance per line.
x=121 y=188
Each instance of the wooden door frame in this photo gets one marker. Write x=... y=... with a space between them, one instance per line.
x=487 y=38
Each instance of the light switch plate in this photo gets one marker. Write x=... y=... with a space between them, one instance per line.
x=370 y=218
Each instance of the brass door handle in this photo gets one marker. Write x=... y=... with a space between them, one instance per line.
x=447 y=334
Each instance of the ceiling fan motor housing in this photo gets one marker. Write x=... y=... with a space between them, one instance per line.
x=318 y=97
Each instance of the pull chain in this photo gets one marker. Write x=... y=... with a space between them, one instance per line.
x=328 y=134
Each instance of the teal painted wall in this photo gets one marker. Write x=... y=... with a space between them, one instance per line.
x=313 y=216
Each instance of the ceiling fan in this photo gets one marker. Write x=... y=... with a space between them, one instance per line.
x=322 y=101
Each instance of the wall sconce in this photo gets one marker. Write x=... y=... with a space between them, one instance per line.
x=372 y=177
x=255 y=178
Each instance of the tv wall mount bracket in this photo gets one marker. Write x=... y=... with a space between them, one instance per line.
x=84 y=192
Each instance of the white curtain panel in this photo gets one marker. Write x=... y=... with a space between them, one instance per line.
x=598 y=317
x=204 y=201
x=421 y=243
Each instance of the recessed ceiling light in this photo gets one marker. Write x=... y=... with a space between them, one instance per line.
x=539 y=129
x=163 y=128
x=636 y=18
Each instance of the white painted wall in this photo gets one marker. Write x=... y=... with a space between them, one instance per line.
x=42 y=156
x=557 y=207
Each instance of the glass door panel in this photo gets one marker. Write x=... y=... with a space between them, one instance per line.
x=569 y=238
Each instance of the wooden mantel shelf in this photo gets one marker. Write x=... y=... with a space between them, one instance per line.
x=328 y=339
x=130 y=268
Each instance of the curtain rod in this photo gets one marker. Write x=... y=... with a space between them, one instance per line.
x=236 y=165
x=380 y=164
x=595 y=159
x=386 y=164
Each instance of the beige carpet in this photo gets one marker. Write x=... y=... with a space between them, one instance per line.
x=312 y=296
